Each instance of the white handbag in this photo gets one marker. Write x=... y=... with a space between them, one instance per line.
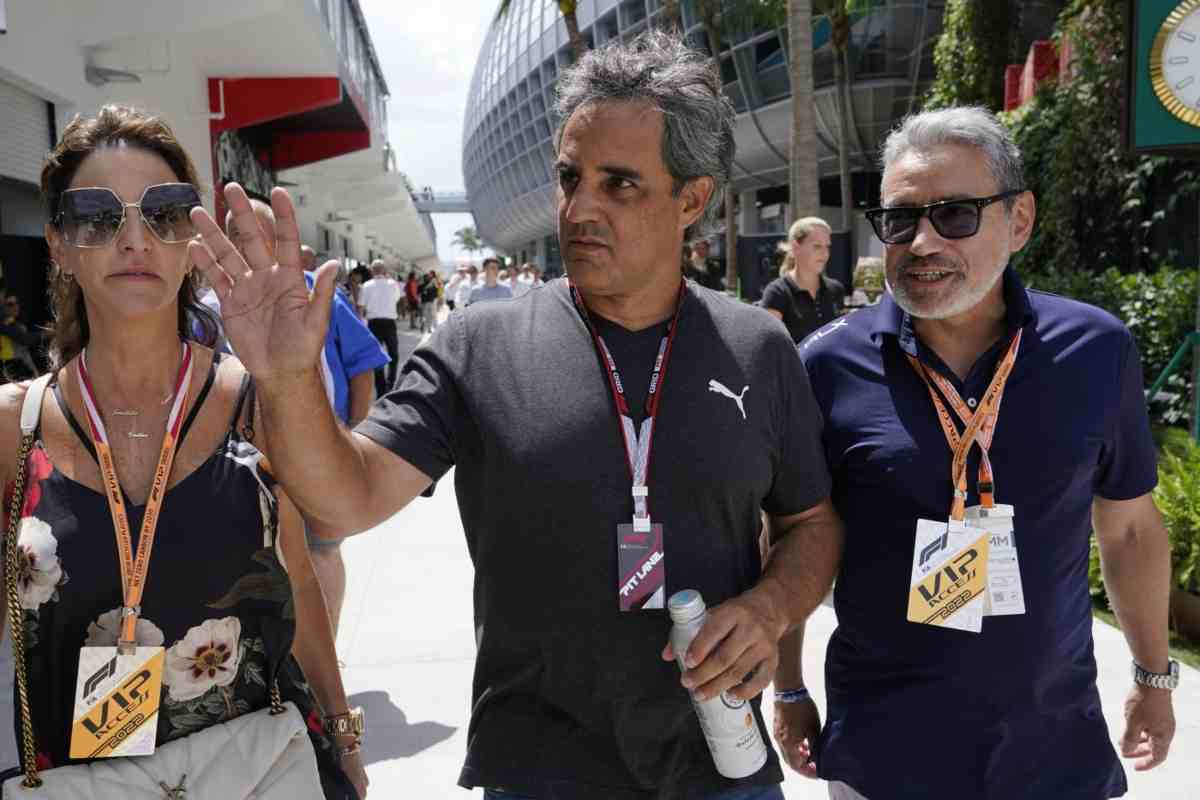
x=265 y=755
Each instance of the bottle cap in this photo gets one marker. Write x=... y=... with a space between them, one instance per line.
x=685 y=606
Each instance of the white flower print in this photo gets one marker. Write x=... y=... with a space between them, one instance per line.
x=208 y=656
x=38 y=570
x=105 y=631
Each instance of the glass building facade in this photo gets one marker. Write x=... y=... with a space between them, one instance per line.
x=508 y=146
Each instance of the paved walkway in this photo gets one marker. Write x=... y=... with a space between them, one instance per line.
x=407 y=640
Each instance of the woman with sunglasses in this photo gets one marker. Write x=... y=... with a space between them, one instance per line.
x=229 y=591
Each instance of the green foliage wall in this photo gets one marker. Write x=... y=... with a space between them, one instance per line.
x=1158 y=307
x=975 y=46
x=1098 y=206
x=1178 y=499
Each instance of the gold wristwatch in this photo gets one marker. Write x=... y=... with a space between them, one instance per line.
x=352 y=723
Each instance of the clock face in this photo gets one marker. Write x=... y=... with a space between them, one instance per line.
x=1175 y=62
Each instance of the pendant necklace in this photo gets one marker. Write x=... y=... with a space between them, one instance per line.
x=133 y=412
x=130 y=412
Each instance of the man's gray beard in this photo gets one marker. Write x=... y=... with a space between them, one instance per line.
x=965 y=301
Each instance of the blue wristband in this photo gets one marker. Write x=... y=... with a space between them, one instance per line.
x=791 y=695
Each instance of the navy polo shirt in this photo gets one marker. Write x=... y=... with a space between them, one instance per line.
x=915 y=711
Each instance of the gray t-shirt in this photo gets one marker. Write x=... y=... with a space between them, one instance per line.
x=483 y=293
x=571 y=698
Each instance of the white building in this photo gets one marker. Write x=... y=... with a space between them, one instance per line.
x=264 y=92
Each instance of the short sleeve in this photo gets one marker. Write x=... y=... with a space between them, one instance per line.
x=1128 y=465
x=802 y=478
x=837 y=293
x=422 y=419
x=358 y=348
x=774 y=298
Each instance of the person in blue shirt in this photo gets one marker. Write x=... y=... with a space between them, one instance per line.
x=489 y=289
x=348 y=364
x=995 y=698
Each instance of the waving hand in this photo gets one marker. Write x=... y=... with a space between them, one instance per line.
x=276 y=326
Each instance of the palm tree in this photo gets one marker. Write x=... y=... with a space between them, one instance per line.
x=710 y=13
x=467 y=239
x=838 y=14
x=804 y=191
x=568 y=10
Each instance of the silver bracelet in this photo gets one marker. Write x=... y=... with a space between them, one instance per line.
x=791 y=695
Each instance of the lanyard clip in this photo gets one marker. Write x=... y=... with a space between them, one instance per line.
x=641 y=517
x=127 y=641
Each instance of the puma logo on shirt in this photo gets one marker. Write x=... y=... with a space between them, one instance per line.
x=720 y=388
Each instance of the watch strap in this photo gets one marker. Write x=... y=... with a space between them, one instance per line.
x=1157 y=680
x=352 y=723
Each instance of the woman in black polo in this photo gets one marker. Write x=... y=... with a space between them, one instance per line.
x=803 y=296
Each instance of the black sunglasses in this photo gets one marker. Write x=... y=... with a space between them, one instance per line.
x=952 y=219
x=92 y=217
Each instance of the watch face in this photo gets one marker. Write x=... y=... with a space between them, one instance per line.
x=1175 y=62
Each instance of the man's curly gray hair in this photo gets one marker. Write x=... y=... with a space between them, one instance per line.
x=683 y=84
x=973 y=126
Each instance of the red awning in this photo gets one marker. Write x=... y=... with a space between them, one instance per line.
x=289 y=122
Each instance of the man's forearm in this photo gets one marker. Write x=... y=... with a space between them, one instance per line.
x=362 y=395
x=802 y=564
x=315 y=650
x=790 y=672
x=306 y=446
x=1137 y=577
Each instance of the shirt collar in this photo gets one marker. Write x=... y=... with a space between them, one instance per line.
x=793 y=287
x=894 y=321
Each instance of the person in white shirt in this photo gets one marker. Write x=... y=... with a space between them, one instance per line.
x=379 y=297
x=531 y=276
x=463 y=293
x=456 y=280
x=516 y=281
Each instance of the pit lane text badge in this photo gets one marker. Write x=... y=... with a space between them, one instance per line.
x=116 y=702
x=949 y=575
x=641 y=568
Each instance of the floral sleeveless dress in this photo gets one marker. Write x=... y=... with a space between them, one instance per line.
x=217 y=596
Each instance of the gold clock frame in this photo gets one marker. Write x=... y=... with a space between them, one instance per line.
x=1162 y=90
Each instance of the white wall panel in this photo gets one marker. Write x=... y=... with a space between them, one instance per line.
x=24 y=133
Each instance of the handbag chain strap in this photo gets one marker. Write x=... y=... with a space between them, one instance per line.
x=16 y=617
x=276 y=702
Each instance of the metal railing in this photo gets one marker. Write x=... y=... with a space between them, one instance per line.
x=1192 y=340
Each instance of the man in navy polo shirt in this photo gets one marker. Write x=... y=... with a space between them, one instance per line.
x=991 y=692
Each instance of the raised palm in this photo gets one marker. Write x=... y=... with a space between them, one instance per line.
x=276 y=326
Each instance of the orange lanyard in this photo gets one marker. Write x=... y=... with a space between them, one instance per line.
x=981 y=426
x=133 y=570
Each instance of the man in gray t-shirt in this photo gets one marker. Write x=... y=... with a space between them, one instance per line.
x=490 y=289
x=573 y=696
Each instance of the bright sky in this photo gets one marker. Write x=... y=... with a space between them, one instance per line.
x=428 y=52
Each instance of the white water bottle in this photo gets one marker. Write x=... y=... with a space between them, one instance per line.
x=728 y=723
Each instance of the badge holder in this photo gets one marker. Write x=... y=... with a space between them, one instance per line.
x=641 y=565
x=1005 y=595
x=949 y=576
x=117 y=696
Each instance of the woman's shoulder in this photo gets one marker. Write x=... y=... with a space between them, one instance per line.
x=775 y=291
